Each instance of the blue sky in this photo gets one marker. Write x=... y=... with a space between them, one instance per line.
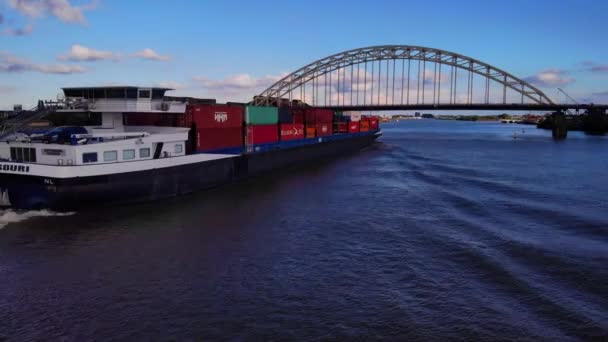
x=232 y=49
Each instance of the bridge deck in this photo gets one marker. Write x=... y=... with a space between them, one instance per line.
x=509 y=107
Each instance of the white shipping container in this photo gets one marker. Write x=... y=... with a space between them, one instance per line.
x=354 y=116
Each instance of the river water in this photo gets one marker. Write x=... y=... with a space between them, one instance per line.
x=441 y=230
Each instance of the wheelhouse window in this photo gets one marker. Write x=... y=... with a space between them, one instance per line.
x=110 y=156
x=144 y=152
x=179 y=148
x=89 y=157
x=131 y=93
x=23 y=154
x=128 y=154
x=144 y=94
x=115 y=93
x=99 y=93
x=73 y=93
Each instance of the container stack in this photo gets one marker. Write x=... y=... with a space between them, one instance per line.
x=325 y=120
x=291 y=126
x=340 y=123
x=319 y=122
x=374 y=123
x=217 y=126
x=353 y=116
x=262 y=125
x=364 y=124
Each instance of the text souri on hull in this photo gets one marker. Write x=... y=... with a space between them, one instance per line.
x=136 y=144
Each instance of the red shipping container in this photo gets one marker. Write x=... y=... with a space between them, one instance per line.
x=309 y=116
x=298 y=117
x=373 y=123
x=319 y=115
x=291 y=132
x=324 y=129
x=218 y=138
x=341 y=127
x=262 y=134
x=216 y=116
x=325 y=116
x=353 y=127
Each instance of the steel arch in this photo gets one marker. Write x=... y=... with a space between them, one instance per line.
x=321 y=67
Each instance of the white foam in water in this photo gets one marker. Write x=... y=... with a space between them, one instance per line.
x=12 y=216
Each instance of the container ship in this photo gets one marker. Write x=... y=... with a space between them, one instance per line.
x=133 y=144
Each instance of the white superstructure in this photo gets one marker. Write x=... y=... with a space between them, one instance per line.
x=109 y=142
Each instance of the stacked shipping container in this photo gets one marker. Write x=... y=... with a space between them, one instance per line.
x=217 y=126
x=291 y=124
x=220 y=127
x=261 y=125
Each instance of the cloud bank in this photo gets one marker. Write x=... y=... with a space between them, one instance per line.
x=550 y=78
x=150 y=54
x=79 y=53
x=61 y=9
x=13 y=64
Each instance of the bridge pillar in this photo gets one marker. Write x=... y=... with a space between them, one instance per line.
x=560 y=127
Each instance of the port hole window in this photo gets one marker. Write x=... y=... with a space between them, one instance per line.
x=179 y=148
x=109 y=156
x=128 y=154
x=90 y=157
x=144 y=153
x=144 y=94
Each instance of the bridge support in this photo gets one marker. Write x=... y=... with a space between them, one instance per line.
x=560 y=127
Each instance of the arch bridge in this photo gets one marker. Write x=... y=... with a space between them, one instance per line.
x=406 y=77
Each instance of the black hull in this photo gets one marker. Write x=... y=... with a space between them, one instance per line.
x=32 y=192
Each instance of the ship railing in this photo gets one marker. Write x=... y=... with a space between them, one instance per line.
x=79 y=139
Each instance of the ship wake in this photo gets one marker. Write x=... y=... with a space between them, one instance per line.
x=8 y=216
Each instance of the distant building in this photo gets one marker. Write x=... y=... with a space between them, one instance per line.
x=428 y=116
x=417 y=115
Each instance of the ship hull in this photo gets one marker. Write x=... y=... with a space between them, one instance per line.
x=66 y=194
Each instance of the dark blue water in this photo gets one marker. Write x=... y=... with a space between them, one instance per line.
x=442 y=230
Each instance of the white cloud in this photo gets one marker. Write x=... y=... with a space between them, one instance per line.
x=238 y=82
x=9 y=63
x=595 y=67
x=61 y=9
x=85 y=54
x=150 y=54
x=23 y=31
x=550 y=78
x=239 y=87
x=171 y=84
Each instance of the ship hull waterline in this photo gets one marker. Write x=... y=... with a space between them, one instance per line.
x=29 y=192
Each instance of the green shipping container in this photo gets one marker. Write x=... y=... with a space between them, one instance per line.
x=256 y=115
